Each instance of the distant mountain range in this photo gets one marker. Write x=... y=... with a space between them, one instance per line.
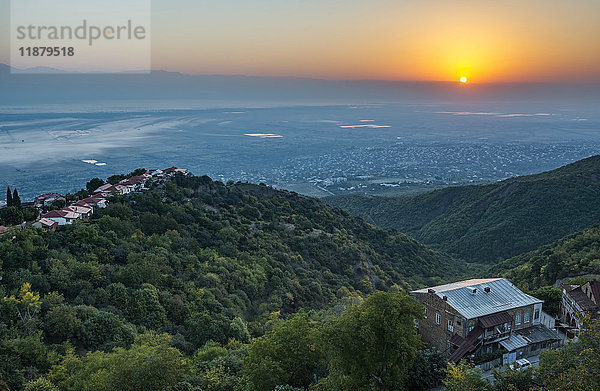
x=55 y=86
x=490 y=223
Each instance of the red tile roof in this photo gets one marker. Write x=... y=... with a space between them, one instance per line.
x=47 y=195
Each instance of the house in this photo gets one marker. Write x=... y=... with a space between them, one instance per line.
x=96 y=201
x=578 y=301
x=46 y=224
x=109 y=188
x=45 y=200
x=156 y=173
x=135 y=183
x=83 y=203
x=62 y=217
x=174 y=170
x=472 y=318
x=84 y=211
x=104 y=188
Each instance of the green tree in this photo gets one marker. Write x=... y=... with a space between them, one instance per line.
x=150 y=364
x=239 y=330
x=61 y=323
x=8 y=196
x=40 y=384
x=11 y=215
x=93 y=184
x=16 y=200
x=512 y=379
x=464 y=377
x=576 y=366
x=217 y=368
x=372 y=346
x=289 y=354
x=26 y=302
x=103 y=330
x=551 y=296
x=30 y=214
x=427 y=371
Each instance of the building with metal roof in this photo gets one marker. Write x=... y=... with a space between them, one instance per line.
x=472 y=318
x=480 y=297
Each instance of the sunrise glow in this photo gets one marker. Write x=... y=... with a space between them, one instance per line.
x=463 y=79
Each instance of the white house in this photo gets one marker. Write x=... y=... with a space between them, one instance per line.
x=84 y=211
x=62 y=217
x=47 y=224
x=108 y=188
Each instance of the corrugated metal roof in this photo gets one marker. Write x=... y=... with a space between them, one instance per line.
x=458 y=284
x=513 y=343
x=581 y=299
x=538 y=333
x=467 y=346
x=471 y=300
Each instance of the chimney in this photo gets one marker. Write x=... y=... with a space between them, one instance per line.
x=474 y=290
x=430 y=290
x=487 y=289
x=445 y=298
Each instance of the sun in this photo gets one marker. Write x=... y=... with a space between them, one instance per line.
x=463 y=79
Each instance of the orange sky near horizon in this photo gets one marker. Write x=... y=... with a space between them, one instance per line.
x=437 y=40
x=414 y=40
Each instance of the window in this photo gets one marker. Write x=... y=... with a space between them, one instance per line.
x=425 y=312
x=536 y=315
x=518 y=318
x=450 y=325
x=526 y=317
x=437 y=318
x=471 y=328
x=458 y=323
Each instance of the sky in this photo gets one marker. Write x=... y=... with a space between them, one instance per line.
x=415 y=40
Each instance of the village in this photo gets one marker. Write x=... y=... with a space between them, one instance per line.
x=489 y=322
x=50 y=219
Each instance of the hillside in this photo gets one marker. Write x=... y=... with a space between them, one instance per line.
x=490 y=223
x=198 y=259
x=575 y=255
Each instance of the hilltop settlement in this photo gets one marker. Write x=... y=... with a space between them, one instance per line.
x=50 y=218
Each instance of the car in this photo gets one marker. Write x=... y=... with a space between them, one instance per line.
x=520 y=364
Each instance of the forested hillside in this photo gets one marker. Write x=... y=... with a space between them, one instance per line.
x=198 y=260
x=490 y=223
x=573 y=256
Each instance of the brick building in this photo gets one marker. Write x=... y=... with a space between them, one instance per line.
x=467 y=319
x=576 y=302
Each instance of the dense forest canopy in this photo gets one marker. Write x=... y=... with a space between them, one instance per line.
x=490 y=223
x=188 y=263
x=575 y=255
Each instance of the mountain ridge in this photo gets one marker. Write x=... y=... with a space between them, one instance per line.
x=58 y=87
x=477 y=222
